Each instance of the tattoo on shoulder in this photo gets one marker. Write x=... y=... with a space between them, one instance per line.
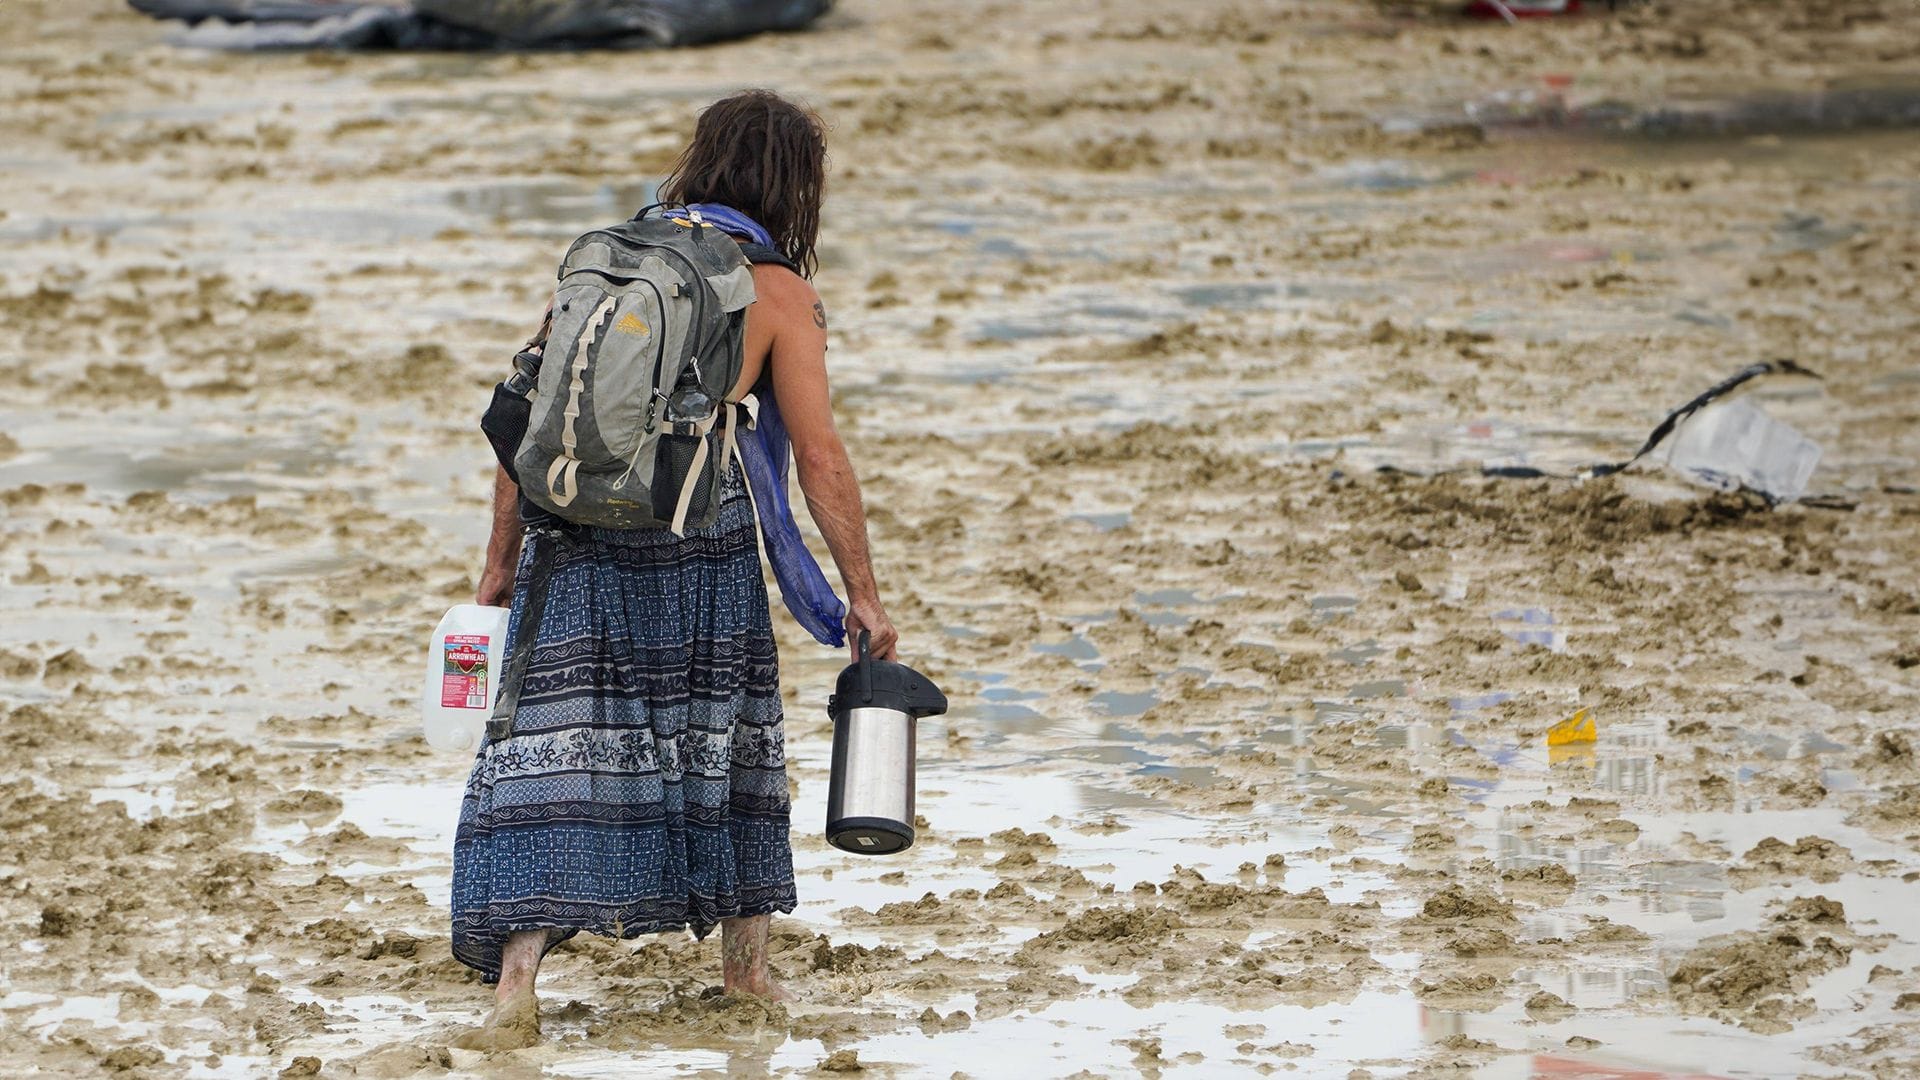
x=819 y=315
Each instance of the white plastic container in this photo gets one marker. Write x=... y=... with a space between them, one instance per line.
x=464 y=662
x=1734 y=443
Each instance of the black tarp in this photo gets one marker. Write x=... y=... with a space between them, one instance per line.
x=475 y=24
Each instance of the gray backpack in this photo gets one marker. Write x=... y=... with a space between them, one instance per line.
x=629 y=426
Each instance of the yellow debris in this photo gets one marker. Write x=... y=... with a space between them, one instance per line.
x=1578 y=728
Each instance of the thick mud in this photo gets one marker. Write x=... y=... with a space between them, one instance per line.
x=1247 y=769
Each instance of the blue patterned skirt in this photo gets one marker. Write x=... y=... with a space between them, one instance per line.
x=645 y=786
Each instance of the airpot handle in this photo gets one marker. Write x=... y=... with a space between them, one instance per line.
x=869 y=682
x=866 y=667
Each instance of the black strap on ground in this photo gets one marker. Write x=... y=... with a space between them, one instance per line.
x=539 y=576
x=1719 y=389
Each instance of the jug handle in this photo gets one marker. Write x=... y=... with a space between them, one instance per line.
x=866 y=667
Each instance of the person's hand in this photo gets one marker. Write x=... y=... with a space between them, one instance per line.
x=867 y=614
x=496 y=587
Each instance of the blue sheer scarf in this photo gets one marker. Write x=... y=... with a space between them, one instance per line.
x=733 y=222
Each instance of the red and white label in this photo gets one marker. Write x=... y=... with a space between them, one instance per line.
x=463 y=679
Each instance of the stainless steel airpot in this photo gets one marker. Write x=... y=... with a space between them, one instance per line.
x=876 y=705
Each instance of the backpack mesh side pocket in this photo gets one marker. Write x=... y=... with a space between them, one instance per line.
x=507 y=415
x=672 y=460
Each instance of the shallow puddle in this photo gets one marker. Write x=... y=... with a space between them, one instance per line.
x=1118 y=703
x=551 y=207
x=1076 y=648
x=1568 y=106
x=1358 y=654
x=188 y=456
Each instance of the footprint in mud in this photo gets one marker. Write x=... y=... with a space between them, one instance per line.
x=710 y=1015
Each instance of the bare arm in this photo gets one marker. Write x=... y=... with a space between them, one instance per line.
x=503 y=544
x=503 y=538
x=799 y=358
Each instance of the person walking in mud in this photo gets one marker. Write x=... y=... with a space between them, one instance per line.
x=641 y=787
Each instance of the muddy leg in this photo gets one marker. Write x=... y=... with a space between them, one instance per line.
x=743 y=958
x=514 y=1023
x=520 y=962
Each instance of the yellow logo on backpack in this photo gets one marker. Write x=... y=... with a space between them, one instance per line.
x=631 y=324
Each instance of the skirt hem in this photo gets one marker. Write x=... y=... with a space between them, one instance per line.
x=481 y=949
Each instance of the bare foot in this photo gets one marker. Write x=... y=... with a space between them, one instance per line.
x=514 y=1024
x=743 y=959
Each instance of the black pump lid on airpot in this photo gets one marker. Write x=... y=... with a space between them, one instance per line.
x=883 y=684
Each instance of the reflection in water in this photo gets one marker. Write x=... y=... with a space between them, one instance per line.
x=1378 y=688
x=1538 y=623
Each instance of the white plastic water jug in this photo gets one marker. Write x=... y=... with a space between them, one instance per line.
x=463 y=670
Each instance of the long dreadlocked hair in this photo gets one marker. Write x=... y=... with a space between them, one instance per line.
x=764 y=156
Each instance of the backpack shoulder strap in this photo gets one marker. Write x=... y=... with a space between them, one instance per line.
x=538 y=342
x=762 y=255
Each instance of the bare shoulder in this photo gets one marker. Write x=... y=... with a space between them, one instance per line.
x=788 y=297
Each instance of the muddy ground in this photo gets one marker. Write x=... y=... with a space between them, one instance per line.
x=1130 y=303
